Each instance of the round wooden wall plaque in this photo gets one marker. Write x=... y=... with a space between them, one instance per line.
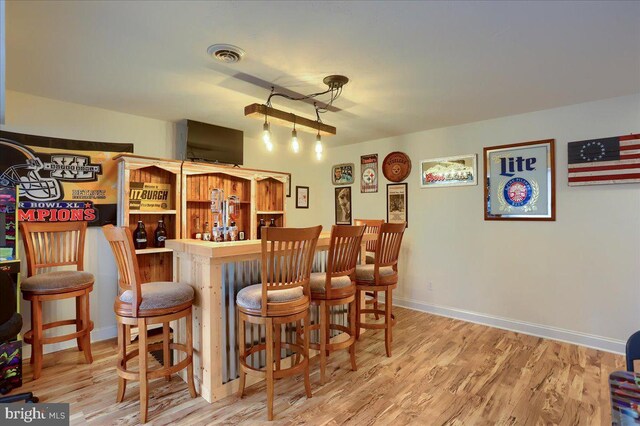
x=396 y=166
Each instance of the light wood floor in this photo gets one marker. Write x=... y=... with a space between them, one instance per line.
x=443 y=371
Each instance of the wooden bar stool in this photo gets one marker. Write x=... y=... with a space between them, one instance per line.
x=282 y=298
x=382 y=276
x=372 y=226
x=50 y=245
x=143 y=305
x=337 y=287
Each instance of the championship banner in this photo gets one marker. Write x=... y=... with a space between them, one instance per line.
x=61 y=180
x=369 y=173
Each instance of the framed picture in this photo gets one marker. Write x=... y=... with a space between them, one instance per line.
x=449 y=171
x=369 y=173
x=520 y=181
x=343 y=205
x=289 y=185
x=342 y=174
x=302 y=197
x=397 y=203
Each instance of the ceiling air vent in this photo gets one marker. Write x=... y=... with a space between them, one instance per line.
x=227 y=53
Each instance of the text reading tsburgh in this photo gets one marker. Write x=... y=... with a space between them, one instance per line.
x=150 y=194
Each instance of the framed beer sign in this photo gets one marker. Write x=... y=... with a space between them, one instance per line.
x=520 y=181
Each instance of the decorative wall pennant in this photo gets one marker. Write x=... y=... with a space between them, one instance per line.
x=369 y=173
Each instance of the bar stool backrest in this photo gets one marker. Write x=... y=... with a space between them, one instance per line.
x=372 y=226
x=121 y=242
x=343 y=254
x=287 y=257
x=53 y=244
x=389 y=241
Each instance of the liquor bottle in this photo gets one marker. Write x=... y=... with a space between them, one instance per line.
x=216 y=233
x=197 y=231
x=260 y=226
x=272 y=223
x=206 y=235
x=140 y=237
x=233 y=232
x=160 y=234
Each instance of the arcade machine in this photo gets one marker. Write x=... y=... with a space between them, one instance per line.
x=10 y=318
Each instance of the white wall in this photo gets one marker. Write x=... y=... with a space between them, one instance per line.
x=574 y=279
x=47 y=117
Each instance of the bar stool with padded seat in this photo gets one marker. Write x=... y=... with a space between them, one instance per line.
x=50 y=245
x=143 y=305
x=334 y=288
x=281 y=298
x=372 y=226
x=382 y=276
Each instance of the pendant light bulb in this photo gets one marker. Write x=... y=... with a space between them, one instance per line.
x=266 y=134
x=295 y=145
x=318 y=145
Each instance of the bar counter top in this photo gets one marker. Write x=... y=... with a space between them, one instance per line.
x=231 y=249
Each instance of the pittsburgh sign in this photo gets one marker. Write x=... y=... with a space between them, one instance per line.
x=61 y=180
x=147 y=196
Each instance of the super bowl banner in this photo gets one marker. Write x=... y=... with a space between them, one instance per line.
x=61 y=180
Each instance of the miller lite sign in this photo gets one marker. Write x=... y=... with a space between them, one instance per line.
x=519 y=181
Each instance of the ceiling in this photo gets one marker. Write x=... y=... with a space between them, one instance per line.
x=413 y=65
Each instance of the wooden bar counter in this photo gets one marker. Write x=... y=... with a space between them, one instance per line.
x=217 y=271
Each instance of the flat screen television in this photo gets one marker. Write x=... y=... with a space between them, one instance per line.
x=207 y=142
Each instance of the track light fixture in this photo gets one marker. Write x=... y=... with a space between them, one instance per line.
x=335 y=84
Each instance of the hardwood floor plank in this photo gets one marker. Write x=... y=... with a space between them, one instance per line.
x=443 y=372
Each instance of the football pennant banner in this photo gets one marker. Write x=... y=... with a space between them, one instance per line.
x=603 y=161
x=61 y=180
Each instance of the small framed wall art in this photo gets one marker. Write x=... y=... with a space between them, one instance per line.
x=520 y=181
x=397 y=203
x=369 y=173
x=343 y=205
x=288 y=184
x=302 y=197
x=342 y=174
x=449 y=171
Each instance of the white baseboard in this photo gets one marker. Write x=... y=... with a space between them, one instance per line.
x=538 y=330
x=96 y=336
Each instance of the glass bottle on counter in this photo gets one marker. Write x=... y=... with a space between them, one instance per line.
x=216 y=233
x=233 y=232
x=272 y=223
x=140 y=237
x=260 y=226
x=206 y=235
x=160 y=234
x=197 y=231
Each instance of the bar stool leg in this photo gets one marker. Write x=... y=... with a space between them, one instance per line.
x=166 y=354
x=144 y=382
x=36 y=346
x=352 y=328
x=269 y=367
x=86 y=324
x=189 y=343
x=122 y=355
x=306 y=336
x=324 y=327
x=358 y=314
x=387 y=322
x=241 y=351
x=278 y=345
x=79 y=321
x=375 y=303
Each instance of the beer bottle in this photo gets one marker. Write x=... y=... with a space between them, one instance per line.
x=260 y=226
x=140 y=237
x=272 y=223
x=160 y=234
